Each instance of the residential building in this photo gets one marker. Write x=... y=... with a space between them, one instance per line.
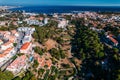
x=7 y=45
x=32 y=22
x=27 y=38
x=62 y=23
x=3 y=23
x=45 y=20
x=26 y=47
x=18 y=64
x=115 y=42
x=6 y=55
x=12 y=39
x=15 y=33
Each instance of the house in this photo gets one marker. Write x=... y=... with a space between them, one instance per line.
x=114 y=41
x=15 y=33
x=32 y=17
x=62 y=23
x=3 y=23
x=12 y=39
x=6 y=34
x=55 y=15
x=41 y=18
x=18 y=64
x=7 y=45
x=26 y=47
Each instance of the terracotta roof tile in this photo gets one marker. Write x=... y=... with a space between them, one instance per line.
x=25 y=46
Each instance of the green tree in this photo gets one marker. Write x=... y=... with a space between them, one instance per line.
x=6 y=75
x=55 y=53
x=38 y=50
x=35 y=65
x=14 y=44
x=87 y=46
x=17 y=78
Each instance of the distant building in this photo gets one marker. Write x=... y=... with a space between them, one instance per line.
x=62 y=23
x=55 y=15
x=45 y=20
x=32 y=22
x=41 y=18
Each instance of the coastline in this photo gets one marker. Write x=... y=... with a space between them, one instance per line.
x=65 y=9
x=9 y=7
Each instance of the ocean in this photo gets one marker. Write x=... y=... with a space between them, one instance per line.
x=67 y=9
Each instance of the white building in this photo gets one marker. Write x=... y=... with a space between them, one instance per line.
x=45 y=20
x=6 y=55
x=63 y=23
x=6 y=45
x=32 y=22
x=26 y=29
x=27 y=38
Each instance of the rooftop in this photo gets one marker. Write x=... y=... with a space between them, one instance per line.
x=5 y=52
x=25 y=46
x=7 y=43
x=113 y=40
x=18 y=62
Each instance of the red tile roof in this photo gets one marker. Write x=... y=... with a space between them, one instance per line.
x=113 y=40
x=5 y=52
x=8 y=43
x=20 y=61
x=25 y=46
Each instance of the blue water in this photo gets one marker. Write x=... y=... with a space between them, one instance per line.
x=67 y=9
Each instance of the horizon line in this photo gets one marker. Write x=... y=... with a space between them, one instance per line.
x=109 y=5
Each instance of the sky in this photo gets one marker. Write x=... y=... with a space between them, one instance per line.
x=63 y=2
